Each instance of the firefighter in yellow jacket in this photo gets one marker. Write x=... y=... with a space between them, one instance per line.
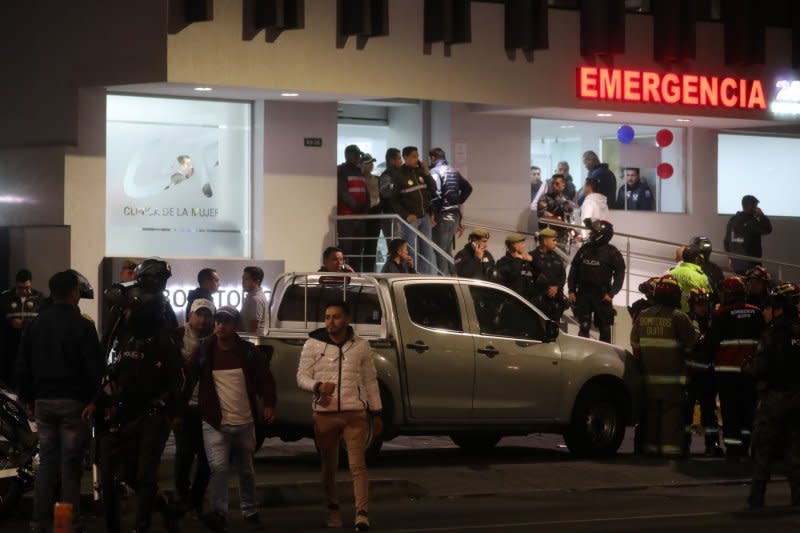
x=661 y=337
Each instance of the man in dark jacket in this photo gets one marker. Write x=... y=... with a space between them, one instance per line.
x=549 y=276
x=601 y=172
x=474 y=260
x=452 y=190
x=744 y=231
x=18 y=308
x=596 y=275
x=514 y=269
x=231 y=373
x=352 y=199
x=634 y=195
x=776 y=366
x=207 y=286
x=58 y=371
x=412 y=189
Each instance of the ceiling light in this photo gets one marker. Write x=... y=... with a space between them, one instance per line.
x=565 y=127
x=203 y=89
x=682 y=120
x=289 y=94
x=605 y=115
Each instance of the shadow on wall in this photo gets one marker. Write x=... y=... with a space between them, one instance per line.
x=329 y=239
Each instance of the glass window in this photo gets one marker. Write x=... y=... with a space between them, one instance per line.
x=365 y=307
x=434 y=305
x=559 y=144
x=505 y=315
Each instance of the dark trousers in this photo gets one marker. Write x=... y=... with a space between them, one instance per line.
x=665 y=429
x=777 y=427
x=132 y=454
x=372 y=232
x=351 y=242
x=737 y=399
x=188 y=447
x=588 y=304
x=702 y=389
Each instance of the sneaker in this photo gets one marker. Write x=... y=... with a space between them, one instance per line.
x=216 y=522
x=253 y=521
x=333 y=518
x=362 y=521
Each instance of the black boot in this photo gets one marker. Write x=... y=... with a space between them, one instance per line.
x=757 y=491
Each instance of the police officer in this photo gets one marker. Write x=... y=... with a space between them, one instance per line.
x=549 y=276
x=514 y=269
x=702 y=388
x=736 y=327
x=474 y=260
x=19 y=307
x=139 y=396
x=597 y=273
x=662 y=336
x=689 y=274
x=757 y=280
x=712 y=270
x=776 y=365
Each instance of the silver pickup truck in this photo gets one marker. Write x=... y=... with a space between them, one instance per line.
x=458 y=357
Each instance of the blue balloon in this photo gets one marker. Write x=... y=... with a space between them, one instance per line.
x=625 y=134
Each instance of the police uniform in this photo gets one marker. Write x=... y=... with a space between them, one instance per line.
x=597 y=269
x=776 y=365
x=516 y=273
x=13 y=308
x=469 y=266
x=549 y=271
x=735 y=330
x=662 y=336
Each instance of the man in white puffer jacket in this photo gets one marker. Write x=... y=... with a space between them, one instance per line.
x=338 y=367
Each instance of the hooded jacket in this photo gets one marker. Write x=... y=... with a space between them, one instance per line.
x=349 y=365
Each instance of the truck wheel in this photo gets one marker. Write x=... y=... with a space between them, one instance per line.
x=476 y=442
x=598 y=424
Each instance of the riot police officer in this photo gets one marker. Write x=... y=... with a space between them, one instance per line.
x=597 y=273
x=736 y=327
x=139 y=396
x=514 y=269
x=776 y=366
x=662 y=336
x=549 y=276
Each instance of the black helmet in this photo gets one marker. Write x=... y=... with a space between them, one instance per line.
x=153 y=273
x=602 y=231
x=693 y=254
x=704 y=243
x=84 y=287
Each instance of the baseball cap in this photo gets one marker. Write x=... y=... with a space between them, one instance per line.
x=227 y=312
x=367 y=158
x=202 y=303
x=352 y=149
x=513 y=238
x=749 y=200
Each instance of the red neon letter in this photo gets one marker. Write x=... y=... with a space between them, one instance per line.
x=671 y=88
x=690 y=90
x=631 y=87
x=727 y=92
x=610 y=84
x=757 y=96
x=587 y=82
x=709 y=91
x=650 y=84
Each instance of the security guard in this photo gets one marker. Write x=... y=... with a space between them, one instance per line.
x=702 y=388
x=549 y=276
x=139 y=397
x=776 y=366
x=662 y=336
x=597 y=273
x=736 y=327
x=18 y=308
x=514 y=269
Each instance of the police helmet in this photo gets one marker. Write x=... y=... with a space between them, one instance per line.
x=153 y=273
x=693 y=254
x=601 y=231
x=84 y=287
x=667 y=291
x=704 y=243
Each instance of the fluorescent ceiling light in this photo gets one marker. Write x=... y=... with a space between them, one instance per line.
x=682 y=120
x=289 y=94
x=605 y=115
x=203 y=89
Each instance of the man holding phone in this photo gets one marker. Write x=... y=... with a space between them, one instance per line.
x=743 y=235
x=474 y=260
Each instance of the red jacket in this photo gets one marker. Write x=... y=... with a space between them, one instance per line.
x=734 y=334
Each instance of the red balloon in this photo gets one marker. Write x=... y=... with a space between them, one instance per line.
x=664 y=171
x=664 y=138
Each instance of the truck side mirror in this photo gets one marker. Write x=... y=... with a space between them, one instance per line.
x=551 y=331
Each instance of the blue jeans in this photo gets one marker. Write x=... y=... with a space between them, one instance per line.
x=443 y=235
x=62 y=441
x=421 y=249
x=236 y=443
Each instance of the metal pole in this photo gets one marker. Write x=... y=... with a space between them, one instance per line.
x=628 y=272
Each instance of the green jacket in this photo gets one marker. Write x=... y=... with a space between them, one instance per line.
x=689 y=276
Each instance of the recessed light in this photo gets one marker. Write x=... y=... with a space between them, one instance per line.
x=682 y=120
x=203 y=89
x=605 y=115
x=289 y=94
x=565 y=127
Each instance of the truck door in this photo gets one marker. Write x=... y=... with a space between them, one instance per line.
x=438 y=351
x=517 y=375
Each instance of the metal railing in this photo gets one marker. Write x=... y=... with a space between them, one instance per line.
x=414 y=237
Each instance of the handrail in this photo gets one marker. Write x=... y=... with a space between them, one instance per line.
x=418 y=234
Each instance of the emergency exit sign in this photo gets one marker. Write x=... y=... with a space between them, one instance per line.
x=312 y=142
